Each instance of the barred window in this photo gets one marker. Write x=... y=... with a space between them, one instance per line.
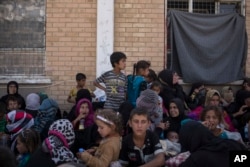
x=22 y=42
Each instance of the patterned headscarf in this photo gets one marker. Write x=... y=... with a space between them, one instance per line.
x=60 y=137
x=17 y=121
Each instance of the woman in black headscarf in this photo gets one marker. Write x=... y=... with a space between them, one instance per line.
x=170 y=87
x=12 y=90
x=176 y=113
x=206 y=149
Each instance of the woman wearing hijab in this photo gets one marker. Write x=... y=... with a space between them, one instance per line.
x=170 y=87
x=12 y=89
x=206 y=149
x=55 y=148
x=176 y=113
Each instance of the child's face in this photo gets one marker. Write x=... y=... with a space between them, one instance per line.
x=103 y=129
x=13 y=105
x=84 y=109
x=139 y=124
x=12 y=89
x=173 y=110
x=21 y=148
x=173 y=136
x=144 y=72
x=81 y=83
x=212 y=118
x=121 y=64
x=156 y=89
x=215 y=100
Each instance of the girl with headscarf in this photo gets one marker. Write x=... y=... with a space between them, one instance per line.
x=84 y=112
x=205 y=148
x=82 y=93
x=17 y=121
x=55 y=149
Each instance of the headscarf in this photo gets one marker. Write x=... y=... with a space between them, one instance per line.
x=89 y=120
x=166 y=77
x=83 y=93
x=175 y=122
x=148 y=99
x=194 y=136
x=227 y=93
x=18 y=120
x=210 y=94
x=60 y=137
x=12 y=83
x=32 y=101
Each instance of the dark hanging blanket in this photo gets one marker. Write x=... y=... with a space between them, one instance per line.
x=207 y=48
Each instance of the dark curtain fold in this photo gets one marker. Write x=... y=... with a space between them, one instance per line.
x=207 y=48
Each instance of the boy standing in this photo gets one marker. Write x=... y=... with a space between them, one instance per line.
x=80 y=80
x=115 y=82
x=141 y=147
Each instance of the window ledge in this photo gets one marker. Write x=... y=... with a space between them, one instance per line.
x=25 y=79
x=235 y=83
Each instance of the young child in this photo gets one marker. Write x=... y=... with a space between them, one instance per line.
x=212 y=117
x=156 y=86
x=84 y=112
x=136 y=81
x=80 y=80
x=151 y=77
x=109 y=127
x=13 y=103
x=115 y=82
x=27 y=142
x=141 y=147
x=171 y=145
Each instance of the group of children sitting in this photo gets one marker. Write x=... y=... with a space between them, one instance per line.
x=142 y=122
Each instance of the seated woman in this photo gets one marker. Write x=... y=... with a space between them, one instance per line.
x=176 y=116
x=213 y=98
x=12 y=89
x=205 y=148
